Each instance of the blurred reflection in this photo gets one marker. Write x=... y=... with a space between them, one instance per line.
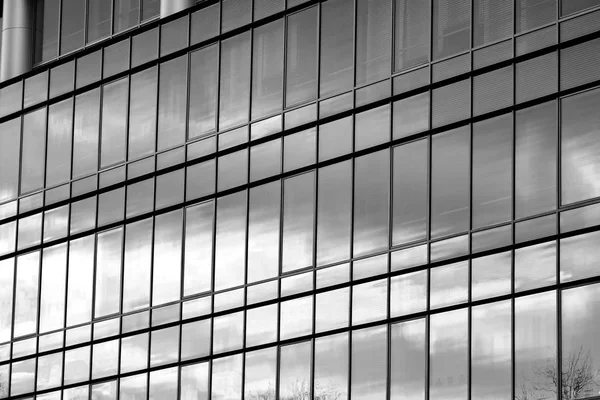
x=301 y=65
x=133 y=387
x=77 y=365
x=194 y=382
x=408 y=293
x=581 y=350
x=172 y=104
x=79 y=296
x=164 y=347
x=331 y=367
x=108 y=272
x=10 y=142
x=449 y=284
x=60 y=126
x=263 y=232
x=267 y=69
x=491 y=275
x=134 y=352
x=105 y=359
x=298 y=221
x=369 y=363
x=371 y=193
x=579 y=256
x=26 y=294
x=261 y=325
x=369 y=302
x=85 y=135
x=333 y=309
x=163 y=384
x=448 y=354
x=33 y=150
x=6 y=298
x=142 y=113
x=535 y=346
x=410 y=192
x=295 y=371
x=580 y=146
x=166 y=278
x=261 y=370
x=334 y=213
x=235 y=81
x=203 y=90
x=114 y=122
x=230 y=241
x=22 y=379
x=372 y=127
x=76 y=393
x=492 y=171
x=228 y=332
x=227 y=378
x=535 y=266
x=49 y=371
x=296 y=317
x=138 y=258
x=491 y=351
x=450 y=182
x=535 y=160
x=408 y=355
x=105 y=391
x=54 y=276
x=198 y=248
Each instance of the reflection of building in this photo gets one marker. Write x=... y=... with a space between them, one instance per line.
x=299 y=199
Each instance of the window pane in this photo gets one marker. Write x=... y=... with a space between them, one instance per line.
x=535 y=266
x=72 y=35
x=491 y=351
x=493 y=20
x=195 y=339
x=408 y=293
x=580 y=147
x=450 y=182
x=536 y=141
x=230 y=241
x=372 y=127
x=134 y=352
x=198 y=248
x=534 y=13
x=58 y=164
x=491 y=275
x=33 y=152
x=194 y=382
x=448 y=353
x=261 y=370
x=228 y=332
x=227 y=378
x=334 y=213
x=411 y=33
x=126 y=14
x=573 y=6
x=369 y=302
x=47 y=16
x=166 y=277
x=296 y=317
x=79 y=297
x=10 y=143
x=535 y=346
x=26 y=294
x=85 y=137
x=371 y=193
x=331 y=367
x=301 y=66
x=263 y=232
x=235 y=81
x=172 y=103
x=164 y=346
x=99 y=20
x=133 y=387
x=451 y=27
x=108 y=272
x=267 y=69
x=373 y=40
x=114 y=122
x=411 y=115
x=261 y=325
x=142 y=113
x=581 y=351
x=204 y=68
x=22 y=378
x=337 y=30
x=150 y=9
x=294 y=371
x=298 y=221
x=579 y=256
x=369 y=363
x=449 y=284
x=77 y=366
x=54 y=279
x=333 y=309
x=410 y=192
x=136 y=278
x=492 y=171
x=163 y=384
x=6 y=298
x=105 y=359
x=408 y=355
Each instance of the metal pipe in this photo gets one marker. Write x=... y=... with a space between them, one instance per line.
x=17 y=38
x=168 y=7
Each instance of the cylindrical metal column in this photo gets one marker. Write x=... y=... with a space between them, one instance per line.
x=17 y=38
x=168 y=7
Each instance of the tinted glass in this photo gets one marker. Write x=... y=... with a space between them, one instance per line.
x=369 y=363
x=33 y=150
x=451 y=27
x=373 y=40
x=337 y=30
x=301 y=66
x=99 y=20
x=411 y=35
x=203 y=91
x=230 y=240
x=172 y=103
x=263 y=232
x=267 y=69
x=235 y=81
x=60 y=128
x=142 y=113
x=114 y=122
x=85 y=137
x=298 y=221
x=408 y=360
x=10 y=142
x=72 y=34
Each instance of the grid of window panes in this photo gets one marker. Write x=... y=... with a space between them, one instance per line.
x=400 y=239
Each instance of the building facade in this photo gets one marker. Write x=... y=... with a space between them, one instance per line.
x=300 y=199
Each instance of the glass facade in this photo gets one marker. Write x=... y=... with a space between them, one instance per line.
x=251 y=199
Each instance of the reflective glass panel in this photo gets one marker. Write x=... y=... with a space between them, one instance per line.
x=230 y=241
x=301 y=65
x=114 y=122
x=142 y=113
x=198 y=248
x=166 y=274
x=263 y=232
x=108 y=272
x=298 y=221
x=260 y=376
x=172 y=103
x=295 y=371
x=408 y=355
x=138 y=258
x=369 y=363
